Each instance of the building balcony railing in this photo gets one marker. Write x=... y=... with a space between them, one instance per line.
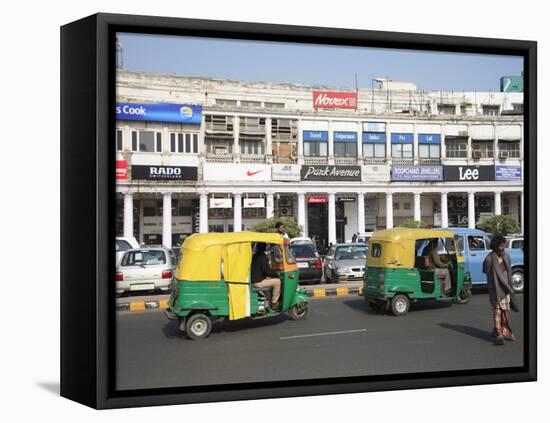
x=429 y=161
x=345 y=160
x=253 y=158
x=402 y=161
x=315 y=160
x=371 y=161
x=219 y=158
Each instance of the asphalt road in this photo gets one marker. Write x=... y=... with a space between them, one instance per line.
x=341 y=337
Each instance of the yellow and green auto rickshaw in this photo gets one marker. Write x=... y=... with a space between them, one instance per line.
x=212 y=281
x=406 y=265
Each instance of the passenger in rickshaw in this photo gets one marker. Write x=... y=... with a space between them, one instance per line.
x=441 y=269
x=262 y=276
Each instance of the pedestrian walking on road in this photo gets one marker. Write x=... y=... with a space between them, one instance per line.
x=497 y=267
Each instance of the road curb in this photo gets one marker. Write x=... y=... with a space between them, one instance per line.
x=311 y=292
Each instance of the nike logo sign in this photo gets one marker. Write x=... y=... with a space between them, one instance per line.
x=250 y=173
x=218 y=204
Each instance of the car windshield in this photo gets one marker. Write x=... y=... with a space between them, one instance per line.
x=351 y=252
x=303 y=250
x=144 y=258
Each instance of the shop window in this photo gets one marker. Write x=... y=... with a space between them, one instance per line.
x=490 y=110
x=248 y=103
x=509 y=148
x=184 y=143
x=377 y=150
x=252 y=147
x=456 y=147
x=429 y=151
x=273 y=105
x=482 y=149
x=218 y=145
x=315 y=148
x=284 y=130
x=446 y=109
x=119 y=140
x=345 y=149
x=146 y=141
x=404 y=151
x=226 y=102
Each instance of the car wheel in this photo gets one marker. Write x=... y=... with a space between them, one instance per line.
x=518 y=281
x=198 y=326
x=400 y=305
x=299 y=311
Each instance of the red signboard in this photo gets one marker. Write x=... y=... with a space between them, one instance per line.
x=334 y=100
x=312 y=199
x=121 y=170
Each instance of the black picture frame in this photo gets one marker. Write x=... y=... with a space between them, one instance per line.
x=88 y=206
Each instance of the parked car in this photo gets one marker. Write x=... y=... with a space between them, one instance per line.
x=144 y=269
x=124 y=244
x=346 y=262
x=474 y=244
x=310 y=266
x=514 y=241
x=364 y=237
x=301 y=240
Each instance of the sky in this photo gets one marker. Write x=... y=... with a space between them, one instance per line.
x=311 y=64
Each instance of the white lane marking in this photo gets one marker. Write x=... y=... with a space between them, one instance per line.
x=323 y=334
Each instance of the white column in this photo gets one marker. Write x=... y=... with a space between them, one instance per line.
x=522 y=213
x=389 y=210
x=203 y=224
x=202 y=136
x=442 y=148
x=469 y=147
x=128 y=216
x=237 y=212
x=498 y=207
x=417 y=213
x=471 y=210
x=236 y=131
x=388 y=144
x=360 y=144
x=167 y=220
x=495 y=145
x=300 y=142
x=302 y=211
x=332 y=218
x=269 y=205
x=444 y=210
x=360 y=212
x=268 y=140
x=330 y=143
x=416 y=156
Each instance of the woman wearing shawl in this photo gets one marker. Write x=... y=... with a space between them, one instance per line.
x=497 y=267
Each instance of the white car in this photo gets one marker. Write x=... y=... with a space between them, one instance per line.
x=124 y=244
x=364 y=237
x=301 y=239
x=144 y=269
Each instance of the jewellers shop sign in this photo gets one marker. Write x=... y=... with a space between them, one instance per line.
x=171 y=173
x=469 y=173
x=334 y=100
x=419 y=173
x=331 y=173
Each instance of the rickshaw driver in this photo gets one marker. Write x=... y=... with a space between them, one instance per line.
x=441 y=270
x=262 y=276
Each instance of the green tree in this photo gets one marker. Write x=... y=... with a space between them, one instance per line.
x=500 y=225
x=411 y=223
x=291 y=226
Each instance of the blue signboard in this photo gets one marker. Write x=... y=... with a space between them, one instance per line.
x=429 y=138
x=315 y=135
x=410 y=173
x=374 y=137
x=345 y=136
x=401 y=138
x=161 y=112
x=508 y=173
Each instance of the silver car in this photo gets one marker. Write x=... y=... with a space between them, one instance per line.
x=145 y=269
x=346 y=262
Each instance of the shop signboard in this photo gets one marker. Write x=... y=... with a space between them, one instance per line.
x=285 y=172
x=469 y=173
x=419 y=173
x=376 y=173
x=346 y=199
x=121 y=170
x=221 y=203
x=345 y=136
x=334 y=100
x=163 y=173
x=315 y=199
x=507 y=173
x=160 y=112
x=236 y=172
x=254 y=202
x=330 y=173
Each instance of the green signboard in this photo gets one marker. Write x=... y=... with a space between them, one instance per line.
x=511 y=84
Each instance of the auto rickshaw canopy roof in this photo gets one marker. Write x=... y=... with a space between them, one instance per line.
x=397 y=246
x=202 y=255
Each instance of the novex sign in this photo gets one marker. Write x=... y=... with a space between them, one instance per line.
x=161 y=112
x=334 y=100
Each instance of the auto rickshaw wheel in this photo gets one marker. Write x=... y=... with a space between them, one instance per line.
x=518 y=280
x=299 y=311
x=198 y=326
x=464 y=296
x=400 y=305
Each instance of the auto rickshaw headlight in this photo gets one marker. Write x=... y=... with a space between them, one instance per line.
x=381 y=281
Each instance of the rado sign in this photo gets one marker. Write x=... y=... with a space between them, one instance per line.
x=469 y=173
x=182 y=173
x=331 y=173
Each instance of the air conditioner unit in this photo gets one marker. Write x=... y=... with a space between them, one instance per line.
x=460 y=204
x=503 y=154
x=285 y=211
x=476 y=154
x=284 y=201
